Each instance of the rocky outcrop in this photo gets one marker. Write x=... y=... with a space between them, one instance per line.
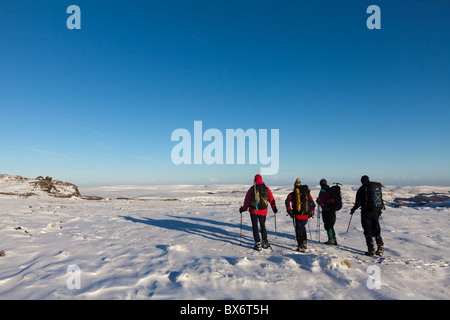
x=25 y=187
x=56 y=188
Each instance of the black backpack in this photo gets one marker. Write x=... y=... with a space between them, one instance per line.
x=335 y=198
x=261 y=195
x=301 y=200
x=374 y=197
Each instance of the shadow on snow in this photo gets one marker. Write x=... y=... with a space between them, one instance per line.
x=207 y=228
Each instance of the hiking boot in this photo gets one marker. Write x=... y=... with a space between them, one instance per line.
x=370 y=253
x=370 y=247
x=380 y=251
x=266 y=244
x=331 y=241
x=302 y=246
x=257 y=246
x=380 y=246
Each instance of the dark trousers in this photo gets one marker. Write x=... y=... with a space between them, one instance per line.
x=300 y=231
x=262 y=222
x=370 y=221
x=329 y=219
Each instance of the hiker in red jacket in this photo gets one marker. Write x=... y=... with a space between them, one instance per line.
x=256 y=200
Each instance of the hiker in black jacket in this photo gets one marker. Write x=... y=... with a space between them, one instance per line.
x=328 y=214
x=370 y=216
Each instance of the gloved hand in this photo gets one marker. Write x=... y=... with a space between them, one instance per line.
x=241 y=210
x=352 y=211
x=291 y=213
x=275 y=210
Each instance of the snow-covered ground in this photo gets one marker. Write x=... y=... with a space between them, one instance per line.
x=183 y=242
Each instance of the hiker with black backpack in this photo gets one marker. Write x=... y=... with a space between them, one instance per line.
x=256 y=201
x=330 y=202
x=302 y=209
x=369 y=198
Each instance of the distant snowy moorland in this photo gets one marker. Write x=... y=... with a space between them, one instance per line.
x=186 y=242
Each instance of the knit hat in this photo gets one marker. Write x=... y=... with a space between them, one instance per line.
x=297 y=183
x=365 y=179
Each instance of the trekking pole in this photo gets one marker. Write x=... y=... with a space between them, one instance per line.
x=275 y=215
x=295 y=230
x=240 y=236
x=351 y=216
x=310 y=237
x=318 y=222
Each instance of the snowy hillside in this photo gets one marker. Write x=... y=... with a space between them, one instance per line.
x=183 y=242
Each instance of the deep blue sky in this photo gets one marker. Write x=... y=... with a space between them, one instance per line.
x=97 y=106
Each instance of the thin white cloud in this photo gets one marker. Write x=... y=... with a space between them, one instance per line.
x=198 y=38
x=98 y=133
x=143 y=158
x=50 y=153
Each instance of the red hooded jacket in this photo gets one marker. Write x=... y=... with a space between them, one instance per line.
x=250 y=193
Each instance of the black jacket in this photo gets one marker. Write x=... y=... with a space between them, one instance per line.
x=363 y=196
